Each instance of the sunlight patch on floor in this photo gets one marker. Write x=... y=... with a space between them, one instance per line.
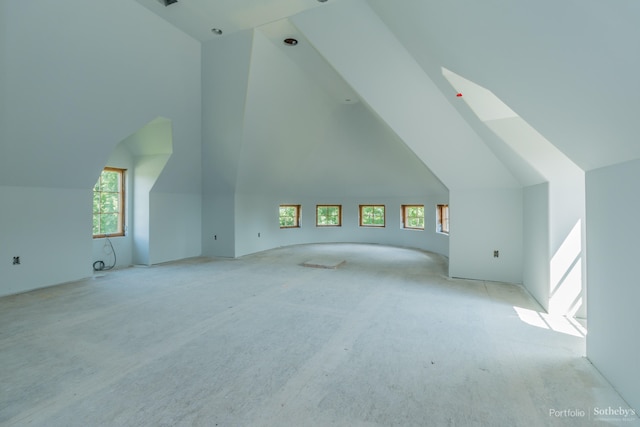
x=556 y=323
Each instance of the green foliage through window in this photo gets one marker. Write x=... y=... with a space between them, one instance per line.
x=442 y=219
x=372 y=215
x=328 y=215
x=289 y=216
x=108 y=204
x=413 y=216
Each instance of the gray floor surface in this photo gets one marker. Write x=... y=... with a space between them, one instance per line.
x=384 y=339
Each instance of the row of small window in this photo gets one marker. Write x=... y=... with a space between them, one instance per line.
x=108 y=211
x=413 y=216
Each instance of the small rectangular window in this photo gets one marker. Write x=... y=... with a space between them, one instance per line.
x=289 y=216
x=328 y=215
x=372 y=215
x=413 y=217
x=108 y=204
x=442 y=219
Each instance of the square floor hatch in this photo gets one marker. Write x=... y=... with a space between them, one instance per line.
x=324 y=263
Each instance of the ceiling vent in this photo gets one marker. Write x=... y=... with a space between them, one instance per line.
x=167 y=2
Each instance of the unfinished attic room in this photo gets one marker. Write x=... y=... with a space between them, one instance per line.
x=319 y=213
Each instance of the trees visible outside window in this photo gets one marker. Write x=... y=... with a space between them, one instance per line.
x=442 y=219
x=108 y=204
x=328 y=215
x=413 y=216
x=372 y=215
x=289 y=216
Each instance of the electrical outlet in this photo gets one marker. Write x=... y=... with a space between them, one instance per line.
x=16 y=260
x=258 y=234
x=215 y=237
x=496 y=254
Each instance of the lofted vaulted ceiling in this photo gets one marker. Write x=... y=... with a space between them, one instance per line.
x=564 y=70
x=568 y=68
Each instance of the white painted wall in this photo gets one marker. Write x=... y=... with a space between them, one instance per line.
x=482 y=221
x=567 y=263
x=225 y=65
x=146 y=172
x=218 y=225
x=535 y=270
x=566 y=287
x=613 y=231
x=175 y=226
x=50 y=229
x=68 y=99
x=259 y=214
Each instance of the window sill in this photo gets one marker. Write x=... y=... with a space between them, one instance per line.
x=108 y=236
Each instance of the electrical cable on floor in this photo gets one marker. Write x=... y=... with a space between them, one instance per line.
x=100 y=266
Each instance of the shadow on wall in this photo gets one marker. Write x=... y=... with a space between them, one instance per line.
x=151 y=147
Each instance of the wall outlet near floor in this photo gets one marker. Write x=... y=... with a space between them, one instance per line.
x=16 y=260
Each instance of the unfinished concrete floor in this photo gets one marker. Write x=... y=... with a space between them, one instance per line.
x=385 y=339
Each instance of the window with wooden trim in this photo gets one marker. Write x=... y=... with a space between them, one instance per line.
x=413 y=217
x=108 y=204
x=328 y=215
x=289 y=216
x=442 y=219
x=372 y=215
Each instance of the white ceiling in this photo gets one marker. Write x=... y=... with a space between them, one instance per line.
x=198 y=17
x=568 y=69
x=309 y=60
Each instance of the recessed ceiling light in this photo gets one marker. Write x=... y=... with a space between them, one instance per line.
x=290 y=41
x=322 y=1
x=216 y=31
